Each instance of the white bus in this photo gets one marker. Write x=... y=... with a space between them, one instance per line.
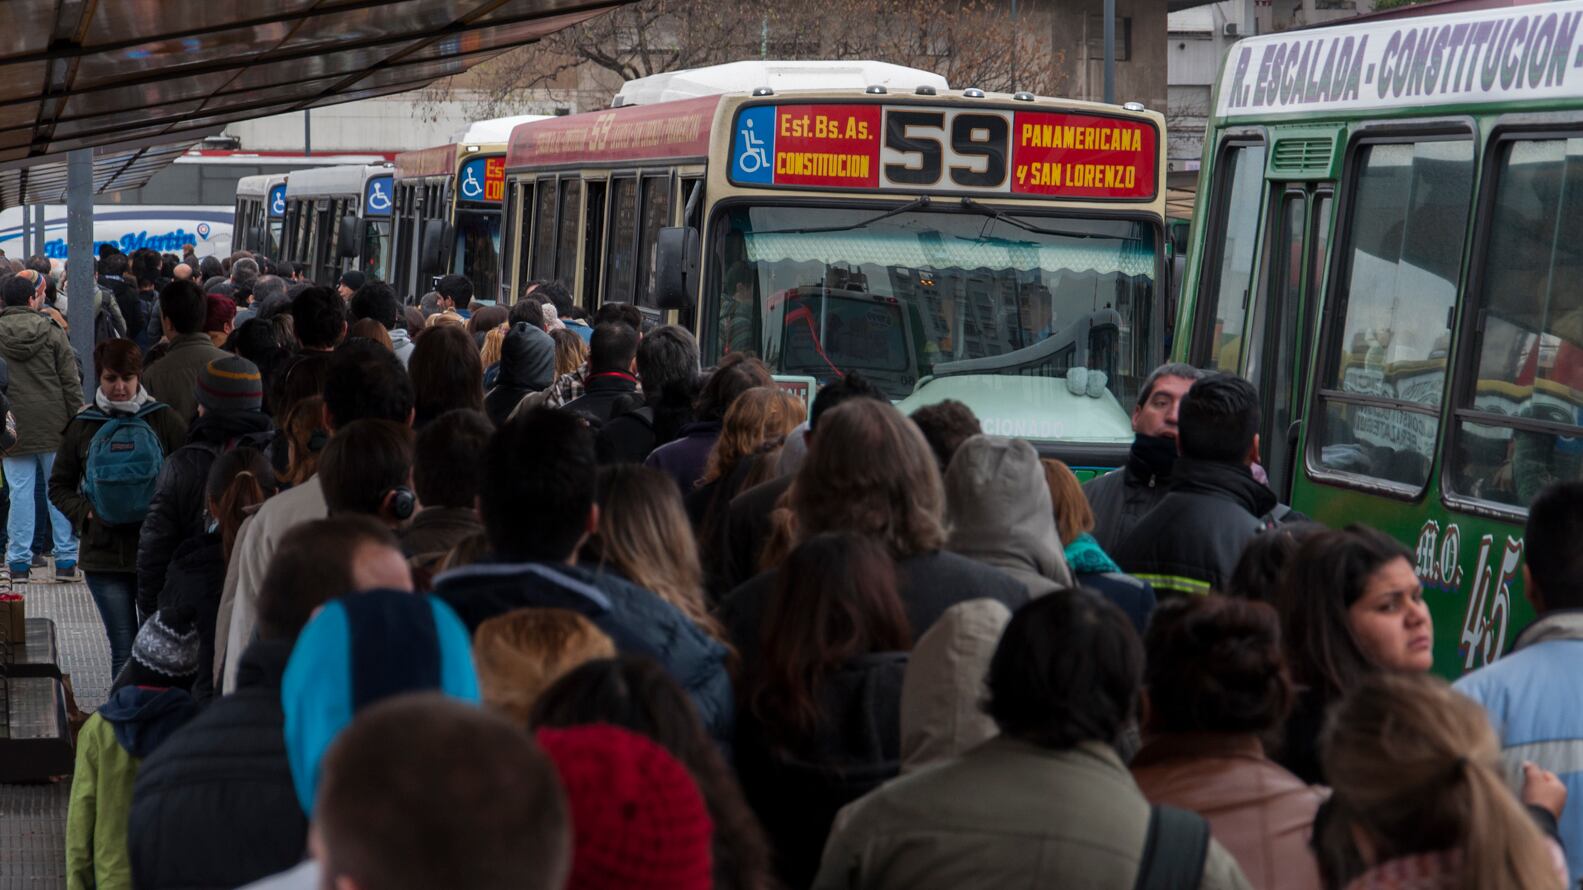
x=338 y=219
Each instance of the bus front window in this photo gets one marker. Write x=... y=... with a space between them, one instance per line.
x=1042 y=325
x=477 y=253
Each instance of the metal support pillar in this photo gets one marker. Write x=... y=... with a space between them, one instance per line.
x=1110 y=52
x=80 y=286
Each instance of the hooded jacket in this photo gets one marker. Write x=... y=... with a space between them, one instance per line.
x=527 y=364
x=105 y=548
x=214 y=808
x=1190 y=543
x=1535 y=704
x=1121 y=497
x=943 y=693
x=1001 y=515
x=401 y=344
x=46 y=387
x=637 y=620
x=178 y=510
x=129 y=727
x=196 y=579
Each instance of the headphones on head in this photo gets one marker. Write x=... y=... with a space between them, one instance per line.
x=403 y=503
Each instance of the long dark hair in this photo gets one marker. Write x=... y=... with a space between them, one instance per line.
x=835 y=599
x=635 y=693
x=1321 y=582
x=447 y=372
x=238 y=480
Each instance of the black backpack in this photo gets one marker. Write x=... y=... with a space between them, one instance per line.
x=1174 y=850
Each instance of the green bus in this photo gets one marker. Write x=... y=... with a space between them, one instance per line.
x=1381 y=245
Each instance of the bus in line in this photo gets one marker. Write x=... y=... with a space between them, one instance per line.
x=447 y=216
x=1002 y=250
x=260 y=213
x=1387 y=244
x=338 y=219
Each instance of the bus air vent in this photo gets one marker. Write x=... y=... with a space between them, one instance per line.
x=1302 y=155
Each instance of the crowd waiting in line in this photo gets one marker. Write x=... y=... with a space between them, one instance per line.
x=462 y=596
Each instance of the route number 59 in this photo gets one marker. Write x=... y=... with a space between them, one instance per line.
x=923 y=147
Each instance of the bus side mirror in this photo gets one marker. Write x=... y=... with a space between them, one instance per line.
x=431 y=255
x=675 y=267
x=351 y=237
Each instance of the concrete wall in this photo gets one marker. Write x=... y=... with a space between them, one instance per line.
x=387 y=124
x=1077 y=30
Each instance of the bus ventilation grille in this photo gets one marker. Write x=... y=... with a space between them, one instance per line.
x=1298 y=155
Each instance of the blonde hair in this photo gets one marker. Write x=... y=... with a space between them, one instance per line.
x=1416 y=766
x=644 y=534
x=762 y=415
x=570 y=352
x=873 y=473
x=1073 y=515
x=494 y=342
x=522 y=653
x=304 y=418
x=449 y=316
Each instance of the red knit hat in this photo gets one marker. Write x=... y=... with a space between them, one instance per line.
x=638 y=820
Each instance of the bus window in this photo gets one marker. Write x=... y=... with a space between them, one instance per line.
x=544 y=231
x=593 y=239
x=1386 y=365
x=510 y=203
x=655 y=213
x=1236 y=241
x=566 y=243
x=1274 y=332
x=620 y=253
x=376 y=248
x=1520 y=423
x=477 y=250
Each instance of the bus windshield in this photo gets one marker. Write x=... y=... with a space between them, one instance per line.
x=1041 y=324
x=477 y=253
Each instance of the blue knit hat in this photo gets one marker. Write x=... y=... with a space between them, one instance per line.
x=357 y=650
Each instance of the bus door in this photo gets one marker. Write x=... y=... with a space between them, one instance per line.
x=1282 y=329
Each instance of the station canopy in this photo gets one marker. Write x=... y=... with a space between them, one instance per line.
x=138 y=81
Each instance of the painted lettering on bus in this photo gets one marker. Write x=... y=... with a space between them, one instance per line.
x=1524 y=55
x=164 y=242
x=1487 y=617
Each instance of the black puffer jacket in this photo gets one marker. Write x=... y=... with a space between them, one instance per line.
x=214 y=807
x=527 y=364
x=1121 y=497
x=196 y=578
x=1191 y=542
x=177 y=512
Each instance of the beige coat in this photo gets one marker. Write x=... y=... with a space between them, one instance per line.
x=943 y=692
x=1008 y=814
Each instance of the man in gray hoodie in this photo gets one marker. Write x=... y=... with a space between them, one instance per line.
x=1000 y=513
x=46 y=391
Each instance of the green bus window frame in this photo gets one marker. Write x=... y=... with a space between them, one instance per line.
x=1205 y=313
x=1464 y=378
x=1333 y=317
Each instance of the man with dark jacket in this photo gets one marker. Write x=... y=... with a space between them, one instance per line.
x=447 y=474
x=215 y=806
x=45 y=391
x=1121 y=497
x=173 y=379
x=537 y=523
x=667 y=356
x=230 y=396
x=1191 y=541
x=112 y=277
x=612 y=367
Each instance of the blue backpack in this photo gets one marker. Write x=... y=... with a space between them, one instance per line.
x=124 y=458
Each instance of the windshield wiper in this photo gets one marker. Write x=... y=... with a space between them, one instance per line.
x=918 y=203
x=1008 y=219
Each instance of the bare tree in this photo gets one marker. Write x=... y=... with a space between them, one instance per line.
x=969 y=42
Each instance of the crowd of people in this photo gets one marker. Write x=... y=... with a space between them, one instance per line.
x=467 y=596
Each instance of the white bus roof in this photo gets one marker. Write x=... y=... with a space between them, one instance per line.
x=317 y=181
x=259 y=186
x=496 y=131
x=254 y=159
x=1492 y=56
x=740 y=77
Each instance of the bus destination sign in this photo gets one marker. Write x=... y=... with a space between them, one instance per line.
x=945 y=148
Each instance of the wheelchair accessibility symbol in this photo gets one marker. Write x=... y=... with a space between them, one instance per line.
x=378 y=196
x=752 y=157
x=471 y=187
x=277 y=204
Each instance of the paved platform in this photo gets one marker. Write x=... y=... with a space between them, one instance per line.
x=33 y=817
